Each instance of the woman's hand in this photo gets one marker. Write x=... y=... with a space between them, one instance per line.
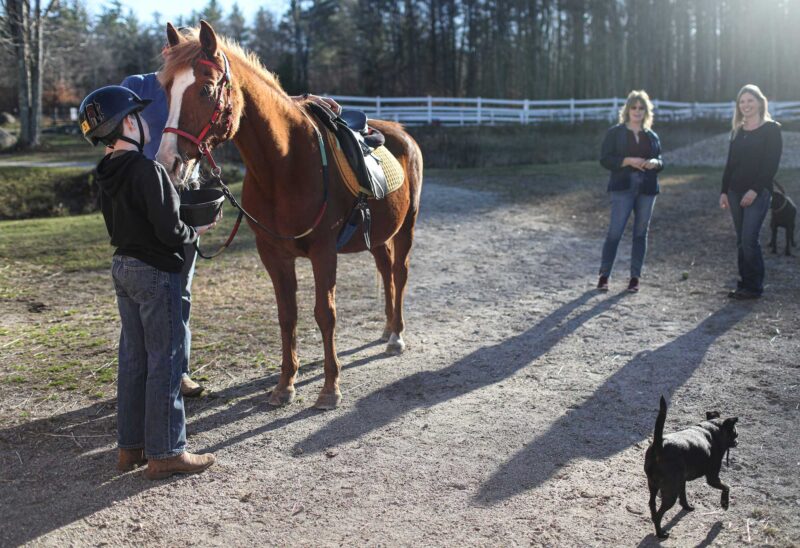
x=723 y=201
x=748 y=198
x=205 y=228
x=652 y=163
x=634 y=162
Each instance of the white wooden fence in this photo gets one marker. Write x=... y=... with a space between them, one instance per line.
x=481 y=111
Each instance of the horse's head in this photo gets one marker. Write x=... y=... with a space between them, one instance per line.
x=204 y=105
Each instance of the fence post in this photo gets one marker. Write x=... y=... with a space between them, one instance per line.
x=616 y=109
x=430 y=110
x=572 y=110
x=480 y=105
x=526 y=107
x=378 y=107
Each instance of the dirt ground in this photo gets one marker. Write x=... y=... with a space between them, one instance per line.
x=519 y=414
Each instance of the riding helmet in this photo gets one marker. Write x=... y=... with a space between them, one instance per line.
x=102 y=111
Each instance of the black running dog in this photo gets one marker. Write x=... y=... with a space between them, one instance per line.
x=784 y=213
x=674 y=459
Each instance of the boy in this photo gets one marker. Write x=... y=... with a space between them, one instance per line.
x=140 y=208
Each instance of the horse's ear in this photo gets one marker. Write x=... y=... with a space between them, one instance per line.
x=173 y=36
x=208 y=39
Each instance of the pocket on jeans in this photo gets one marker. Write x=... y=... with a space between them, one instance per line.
x=142 y=283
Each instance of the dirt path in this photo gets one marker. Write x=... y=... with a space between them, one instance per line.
x=519 y=415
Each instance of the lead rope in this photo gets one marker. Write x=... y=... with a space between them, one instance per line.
x=216 y=172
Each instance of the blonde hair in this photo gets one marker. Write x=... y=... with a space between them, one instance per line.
x=763 y=107
x=634 y=97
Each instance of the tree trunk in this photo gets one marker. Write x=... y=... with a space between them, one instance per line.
x=25 y=28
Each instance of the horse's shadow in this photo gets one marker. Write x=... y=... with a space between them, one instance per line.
x=611 y=419
x=483 y=367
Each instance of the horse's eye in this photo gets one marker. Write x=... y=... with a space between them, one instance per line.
x=205 y=91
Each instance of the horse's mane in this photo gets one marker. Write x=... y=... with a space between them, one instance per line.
x=187 y=51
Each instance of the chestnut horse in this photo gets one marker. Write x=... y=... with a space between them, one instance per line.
x=217 y=92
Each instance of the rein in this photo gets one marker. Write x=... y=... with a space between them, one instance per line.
x=223 y=106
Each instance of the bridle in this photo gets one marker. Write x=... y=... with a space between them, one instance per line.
x=222 y=106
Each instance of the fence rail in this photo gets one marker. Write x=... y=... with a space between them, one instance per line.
x=453 y=111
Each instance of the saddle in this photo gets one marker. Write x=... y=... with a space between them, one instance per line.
x=366 y=166
x=375 y=172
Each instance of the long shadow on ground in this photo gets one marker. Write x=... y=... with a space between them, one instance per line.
x=611 y=420
x=58 y=470
x=478 y=369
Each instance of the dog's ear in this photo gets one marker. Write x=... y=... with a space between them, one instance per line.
x=712 y=415
x=731 y=422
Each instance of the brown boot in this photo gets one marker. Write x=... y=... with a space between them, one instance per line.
x=185 y=463
x=129 y=459
x=189 y=388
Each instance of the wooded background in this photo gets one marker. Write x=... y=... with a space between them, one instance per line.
x=686 y=50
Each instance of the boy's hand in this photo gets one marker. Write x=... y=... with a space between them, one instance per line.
x=205 y=228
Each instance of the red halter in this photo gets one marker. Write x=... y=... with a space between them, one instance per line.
x=222 y=106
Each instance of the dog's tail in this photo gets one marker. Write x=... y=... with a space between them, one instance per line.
x=658 y=433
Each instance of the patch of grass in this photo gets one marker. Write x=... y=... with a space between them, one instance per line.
x=44 y=191
x=549 y=143
x=81 y=242
x=106 y=376
x=69 y=243
x=16 y=379
x=57 y=148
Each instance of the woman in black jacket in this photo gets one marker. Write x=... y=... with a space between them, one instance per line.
x=754 y=155
x=632 y=153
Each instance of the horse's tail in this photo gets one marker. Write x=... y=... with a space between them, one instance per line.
x=658 y=433
x=414 y=169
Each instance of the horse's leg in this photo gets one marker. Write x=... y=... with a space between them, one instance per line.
x=284 y=280
x=324 y=266
x=402 y=249
x=383 y=260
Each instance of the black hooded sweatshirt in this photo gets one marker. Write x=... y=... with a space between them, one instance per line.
x=141 y=210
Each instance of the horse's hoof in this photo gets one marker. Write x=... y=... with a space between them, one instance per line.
x=396 y=345
x=328 y=400
x=279 y=398
x=387 y=334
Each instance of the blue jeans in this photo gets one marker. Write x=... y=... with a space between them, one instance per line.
x=622 y=204
x=748 y=221
x=187 y=275
x=149 y=402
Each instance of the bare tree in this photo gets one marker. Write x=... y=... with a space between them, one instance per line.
x=25 y=23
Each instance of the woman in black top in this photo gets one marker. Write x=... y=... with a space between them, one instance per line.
x=753 y=158
x=632 y=153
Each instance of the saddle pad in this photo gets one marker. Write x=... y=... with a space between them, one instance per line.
x=391 y=168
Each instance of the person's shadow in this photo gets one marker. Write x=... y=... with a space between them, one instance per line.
x=483 y=367
x=60 y=469
x=611 y=419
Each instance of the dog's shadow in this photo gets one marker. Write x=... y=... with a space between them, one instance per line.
x=652 y=540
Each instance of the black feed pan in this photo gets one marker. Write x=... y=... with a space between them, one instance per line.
x=201 y=207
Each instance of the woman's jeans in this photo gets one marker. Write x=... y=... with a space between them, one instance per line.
x=149 y=402
x=748 y=221
x=187 y=275
x=622 y=204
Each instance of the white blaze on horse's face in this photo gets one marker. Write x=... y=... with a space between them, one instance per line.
x=168 y=154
